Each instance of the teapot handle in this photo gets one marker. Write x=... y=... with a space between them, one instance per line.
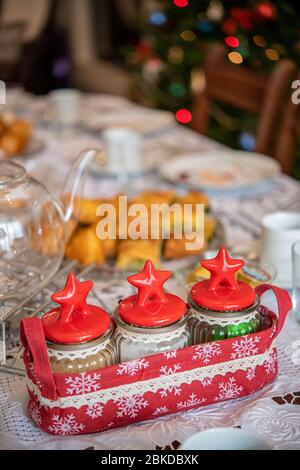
x=33 y=340
x=74 y=183
x=284 y=303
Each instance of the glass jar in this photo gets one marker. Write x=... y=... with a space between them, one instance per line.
x=133 y=342
x=208 y=325
x=77 y=358
x=152 y=321
x=78 y=335
x=222 y=307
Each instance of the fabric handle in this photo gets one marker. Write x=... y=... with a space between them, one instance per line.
x=33 y=338
x=284 y=303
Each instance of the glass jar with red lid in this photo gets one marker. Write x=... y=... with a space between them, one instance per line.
x=222 y=307
x=151 y=321
x=78 y=335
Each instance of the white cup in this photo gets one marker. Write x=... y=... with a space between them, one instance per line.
x=66 y=106
x=225 y=439
x=280 y=231
x=123 y=147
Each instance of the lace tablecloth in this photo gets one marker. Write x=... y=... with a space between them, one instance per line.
x=273 y=412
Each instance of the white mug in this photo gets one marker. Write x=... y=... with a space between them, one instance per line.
x=225 y=439
x=123 y=147
x=280 y=231
x=66 y=106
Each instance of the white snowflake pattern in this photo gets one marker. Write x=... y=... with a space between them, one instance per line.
x=132 y=367
x=130 y=406
x=170 y=389
x=250 y=373
x=160 y=411
x=170 y=354
x=191 y=401
x=35 y=412
x=206 y=352
x=206 y=381
x=244 y=347
x=229 y=390
x=65 y=425
x=169 y=370
x=85 y=383
x=270 y=364
x=95 y=411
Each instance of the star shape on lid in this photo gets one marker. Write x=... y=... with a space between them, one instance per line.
x=223 y=269
x=149 y=283
x=72 y=298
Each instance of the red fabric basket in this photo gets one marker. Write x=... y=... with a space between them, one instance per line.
x=153 y=386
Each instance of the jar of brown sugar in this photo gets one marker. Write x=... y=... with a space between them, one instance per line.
x=78 y=335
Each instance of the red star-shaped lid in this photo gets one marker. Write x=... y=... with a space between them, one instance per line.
x=151 y=306
x=222 y=292
x=75 y=321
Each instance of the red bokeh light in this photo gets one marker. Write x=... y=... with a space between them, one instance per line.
x=183 y=116
x=181 y=3
x=267 y=10
x=232 y=41
x=229 y=26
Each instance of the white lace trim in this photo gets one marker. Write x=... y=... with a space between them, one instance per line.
x=167 y=381
x=149 y=338
x=218 y=320
x=80 y=354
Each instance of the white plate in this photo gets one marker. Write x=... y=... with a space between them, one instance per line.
x=139 y=120
x=226 y=439
x=220 y=171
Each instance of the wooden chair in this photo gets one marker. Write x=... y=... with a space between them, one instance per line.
x=243 y=88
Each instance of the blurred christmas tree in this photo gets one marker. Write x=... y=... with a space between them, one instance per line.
x=167 y=62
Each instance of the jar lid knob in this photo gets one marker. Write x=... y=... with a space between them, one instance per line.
x=222 y=270
x=151 y=306
x=223 y=292
x=72 y=299
x=75 y=321
x=149 y=283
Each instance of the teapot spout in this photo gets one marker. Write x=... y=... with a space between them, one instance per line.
x=74 y=184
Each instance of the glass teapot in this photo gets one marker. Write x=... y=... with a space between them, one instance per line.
x=34 y=226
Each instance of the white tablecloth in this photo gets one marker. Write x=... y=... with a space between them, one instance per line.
x=273 y=412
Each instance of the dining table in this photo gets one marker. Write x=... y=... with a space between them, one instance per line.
x=273 y=412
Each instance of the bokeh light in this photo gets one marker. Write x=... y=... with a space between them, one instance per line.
x=279 y=47
x=235 y=57
x=205 y=26
x=181 y=3
x=175 y=55
x=188 y=35
x=183 y=116
x=267 y=10
x=232 y=41
x=247 y=141
x=272 y=54
x=158 y=18
x=260 y=41
x=61 y=67
x=177 y=89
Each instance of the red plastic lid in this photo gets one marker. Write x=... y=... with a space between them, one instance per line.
x=74 y=321
x=151 y=306
x=222 y=292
